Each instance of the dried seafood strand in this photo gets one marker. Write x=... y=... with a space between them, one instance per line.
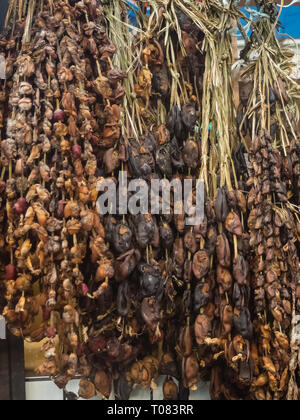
x=7 y=288
x=18 y=114
x=29 y=20
x=273 y=282
x=102 y=289
x=211 y=112
x=73 y=277
x=116 y=13
x=147 y=252
x=126 y=64
x=154 y=331
x=11 y=7
x=189 y=358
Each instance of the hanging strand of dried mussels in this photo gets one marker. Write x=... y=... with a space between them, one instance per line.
x=214 y=332
x=270 y=117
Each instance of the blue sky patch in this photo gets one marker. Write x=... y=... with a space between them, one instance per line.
x=289 y=19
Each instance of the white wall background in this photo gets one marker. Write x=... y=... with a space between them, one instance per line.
x=48 y=391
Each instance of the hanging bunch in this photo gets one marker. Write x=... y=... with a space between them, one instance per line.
x=125 y=298
x=62 y=111
x=268 y=103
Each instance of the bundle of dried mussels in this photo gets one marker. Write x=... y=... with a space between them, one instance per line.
x=270 y=114
x=60 y=123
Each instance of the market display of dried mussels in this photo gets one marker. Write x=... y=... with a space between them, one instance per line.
x=122 y=299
